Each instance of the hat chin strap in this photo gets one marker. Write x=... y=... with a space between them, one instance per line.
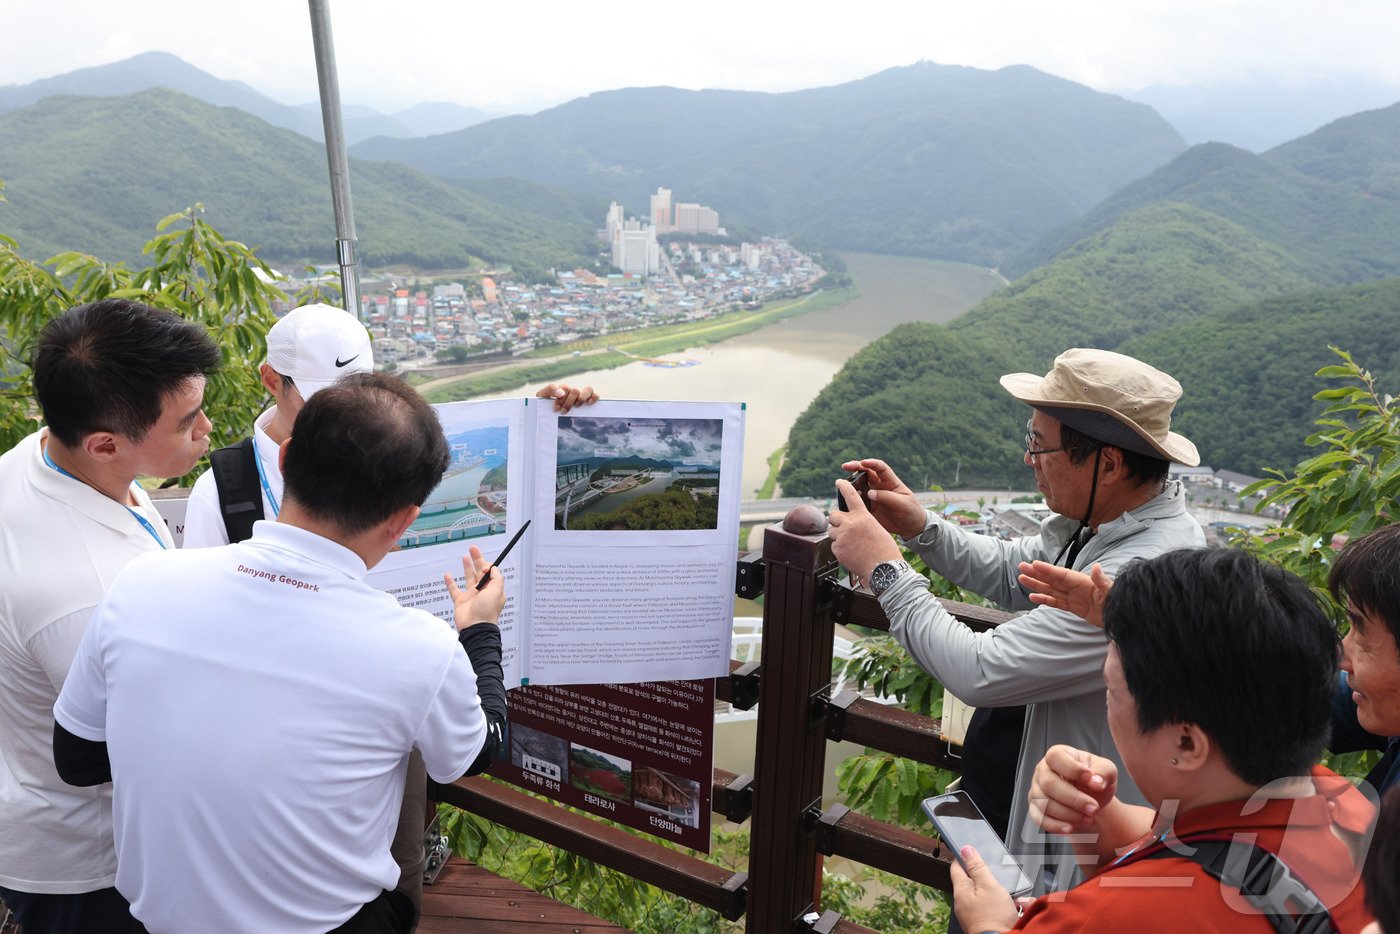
x=1073 y=545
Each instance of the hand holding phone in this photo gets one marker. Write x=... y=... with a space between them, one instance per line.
x=861 y=481
x=959 y=823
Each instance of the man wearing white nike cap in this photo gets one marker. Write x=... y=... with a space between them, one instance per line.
x=308 y=349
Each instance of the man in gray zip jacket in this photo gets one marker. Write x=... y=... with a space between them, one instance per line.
x=1099 y=443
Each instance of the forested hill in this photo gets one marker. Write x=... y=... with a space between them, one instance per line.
x=1159 y=266
x=1210 y=268
x=926 y=160
x=1331 y=197
x=1247 y=371
x=925 y=396
x=94 y=174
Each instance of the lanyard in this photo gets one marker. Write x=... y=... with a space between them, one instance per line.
x=262 y=475
x=145 y=523
x=1159 y=840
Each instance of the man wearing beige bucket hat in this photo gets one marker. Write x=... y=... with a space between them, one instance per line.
x=1099 y=443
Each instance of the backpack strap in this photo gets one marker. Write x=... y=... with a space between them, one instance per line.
x=1262 y=878
x=236 y=479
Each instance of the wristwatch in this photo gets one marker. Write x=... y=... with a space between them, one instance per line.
x=885 y=574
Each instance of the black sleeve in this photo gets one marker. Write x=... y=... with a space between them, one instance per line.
x=483 y=647
x=80 y=761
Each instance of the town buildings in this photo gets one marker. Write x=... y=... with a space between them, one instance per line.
x=492 y=315
x=653 y=282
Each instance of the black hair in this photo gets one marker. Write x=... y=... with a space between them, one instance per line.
x=1237 y=646
x=362 y=449
x=1367 y=575
x=1381 y=872
x=1140 y=467
x=108 y=366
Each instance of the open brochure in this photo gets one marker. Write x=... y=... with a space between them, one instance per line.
x=626 y=573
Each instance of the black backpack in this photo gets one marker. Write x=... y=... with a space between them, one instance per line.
x=240 y=493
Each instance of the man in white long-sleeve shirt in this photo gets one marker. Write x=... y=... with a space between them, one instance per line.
x=1099 y=441
x=121 y=386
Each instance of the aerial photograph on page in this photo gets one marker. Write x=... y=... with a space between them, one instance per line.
x=637 y=474
x=470 y=502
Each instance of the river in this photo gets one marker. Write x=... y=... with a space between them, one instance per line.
x=778 y=370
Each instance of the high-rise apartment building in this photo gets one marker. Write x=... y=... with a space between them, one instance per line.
x=613 y=224
x=696 y=219
x=635 y=250
x=661 y=210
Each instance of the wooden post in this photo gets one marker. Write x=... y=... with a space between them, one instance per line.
x=791 y=744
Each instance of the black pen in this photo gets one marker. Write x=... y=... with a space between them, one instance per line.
x=502 y=556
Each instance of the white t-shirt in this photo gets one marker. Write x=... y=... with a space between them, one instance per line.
x=204 y=521
x=258 y=702
x=61 y=546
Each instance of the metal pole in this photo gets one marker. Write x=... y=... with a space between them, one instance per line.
x=335 y=155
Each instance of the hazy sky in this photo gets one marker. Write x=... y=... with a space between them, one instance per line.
x=525 y=54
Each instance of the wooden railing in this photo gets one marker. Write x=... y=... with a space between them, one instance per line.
x=789 y=831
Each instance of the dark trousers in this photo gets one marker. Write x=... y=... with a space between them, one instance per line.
x=100 y=912
x=390 y=913
x=989 y=767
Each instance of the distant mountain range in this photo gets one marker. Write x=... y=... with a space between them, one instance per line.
x=96 y=173
x=163 y=70
x=928 y=160
x=1229 y=270
x=1260 y=114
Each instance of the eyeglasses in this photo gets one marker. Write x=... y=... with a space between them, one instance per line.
x=1031 y=452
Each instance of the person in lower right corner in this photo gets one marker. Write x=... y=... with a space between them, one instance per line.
x=1219 y=672
x=1381 y=873
x=1364 y=580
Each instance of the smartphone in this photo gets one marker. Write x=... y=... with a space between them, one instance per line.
x=959 y=823
x=861 y=481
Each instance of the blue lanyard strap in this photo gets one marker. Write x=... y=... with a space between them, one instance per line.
x=1158 y=840
x=262 y=475
x=145 y=523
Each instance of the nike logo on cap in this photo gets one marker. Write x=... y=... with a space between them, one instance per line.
x=340 y=363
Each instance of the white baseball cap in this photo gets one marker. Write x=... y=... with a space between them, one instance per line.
x=316 y=345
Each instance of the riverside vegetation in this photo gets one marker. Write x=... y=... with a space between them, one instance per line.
x=622 y=349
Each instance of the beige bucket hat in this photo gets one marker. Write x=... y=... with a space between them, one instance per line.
x=1086 y=385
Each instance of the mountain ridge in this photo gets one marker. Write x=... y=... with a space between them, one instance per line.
x=131 y=160
x=953 y=162
x=149 y=70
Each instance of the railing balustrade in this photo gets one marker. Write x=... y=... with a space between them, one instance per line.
x=789 y=830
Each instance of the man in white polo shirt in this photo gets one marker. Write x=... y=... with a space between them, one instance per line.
x=121 y=387
x=308 y=349
x=254 y=705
